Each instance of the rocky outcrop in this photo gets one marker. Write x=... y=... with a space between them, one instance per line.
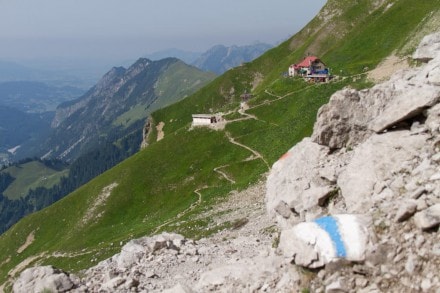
x=428 y=48
x=317 y=243
x=146 y=132
x=373 y=154
x=45 y=279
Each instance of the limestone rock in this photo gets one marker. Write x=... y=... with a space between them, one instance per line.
x=314 y=244
x=428 y=48
x=379 y=149
x=408 y=104
x=291 y=176
x=374 y=161
x=130 y=254
x=38 y=279
x=351 y=116
x=428 y=218
x=406 y=210
x=342 y=122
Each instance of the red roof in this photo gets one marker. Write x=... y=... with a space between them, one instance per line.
x=306 y=62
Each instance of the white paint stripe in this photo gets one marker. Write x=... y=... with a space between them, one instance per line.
x=312 y=234
x=353 y=235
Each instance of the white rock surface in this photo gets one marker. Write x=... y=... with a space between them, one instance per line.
x=39 y=279
x=428 y=48
x=428 y=218
x=315 y=244
x=406 y=210
x=376 y=160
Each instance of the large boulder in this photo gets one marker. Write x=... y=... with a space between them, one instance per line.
x=42 y=279
x=352 y=116
x=342 y=122
x=297 y=183
x=319 y=242
x=409 y=103
x=374 y=163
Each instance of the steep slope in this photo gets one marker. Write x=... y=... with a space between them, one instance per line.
x=119 y=103
x=171 y=183
x=220 y=58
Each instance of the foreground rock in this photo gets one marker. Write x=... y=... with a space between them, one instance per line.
x=315 y=244
x=236 y=260
x=47 y=278
x=374 y=153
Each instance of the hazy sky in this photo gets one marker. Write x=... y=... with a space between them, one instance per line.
x=116 y=29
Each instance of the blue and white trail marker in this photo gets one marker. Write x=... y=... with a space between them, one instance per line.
x=314 y=244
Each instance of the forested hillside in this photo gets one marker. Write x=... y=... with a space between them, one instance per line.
x=33 y=184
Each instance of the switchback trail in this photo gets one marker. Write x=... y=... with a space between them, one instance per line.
x=256 y=154
x=278 y=97
x=181 y=214
x=217 y=169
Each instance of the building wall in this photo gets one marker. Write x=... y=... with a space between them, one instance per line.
x=291 y=71
x=201 y=121
x=318 y=65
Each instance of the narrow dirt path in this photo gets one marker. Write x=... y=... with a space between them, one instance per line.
x=278 y=97
x=217 y=169
x=256 y=154
x=30 y=238
x=26 y=262
x=181 y=214
x=160 y=133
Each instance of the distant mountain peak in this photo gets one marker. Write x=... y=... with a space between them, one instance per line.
x=120 y=99
x=220 y=58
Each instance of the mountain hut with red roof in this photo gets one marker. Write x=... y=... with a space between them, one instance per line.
x=311 y=68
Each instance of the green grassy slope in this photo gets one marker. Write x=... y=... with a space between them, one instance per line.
x=30 y=176
x=163 y=181
x=176 y=82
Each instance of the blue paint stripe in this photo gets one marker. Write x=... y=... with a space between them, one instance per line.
x=330 y=225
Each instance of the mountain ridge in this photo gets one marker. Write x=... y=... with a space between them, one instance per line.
x=118 y=92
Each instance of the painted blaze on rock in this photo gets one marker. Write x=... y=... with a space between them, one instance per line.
x=316 y=243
